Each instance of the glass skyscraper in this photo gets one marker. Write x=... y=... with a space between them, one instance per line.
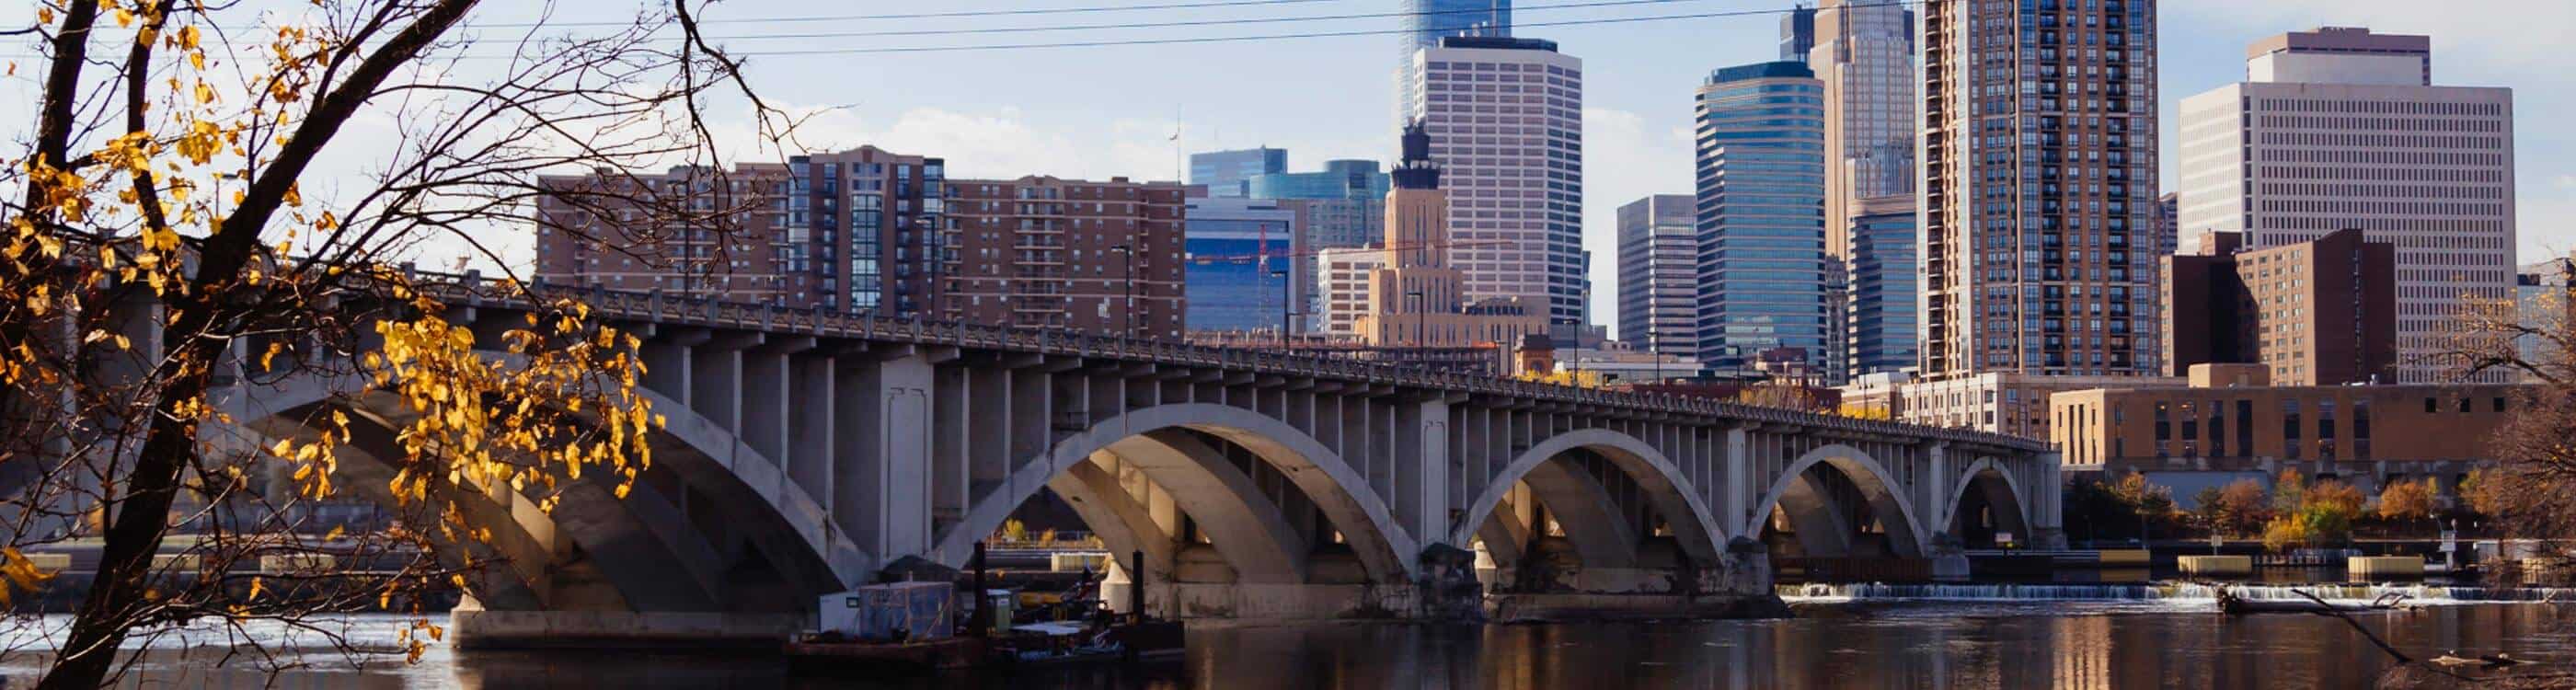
x=1225 y=172
x=1762 y=266
x=1428 y=21
x=1880 y=318
x=1340 y=179
x=1238 y=263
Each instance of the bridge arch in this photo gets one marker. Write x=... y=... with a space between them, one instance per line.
x=1664 y=485
x=1807 y=503
x=774 y=514
x=1344 y=496
x=1991 y=485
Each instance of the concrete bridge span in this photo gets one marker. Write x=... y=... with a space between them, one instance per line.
x=806 y=451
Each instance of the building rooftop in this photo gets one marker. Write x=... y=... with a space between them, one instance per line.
x=2341 y=39
x=1761 y=70
x=1497 y=43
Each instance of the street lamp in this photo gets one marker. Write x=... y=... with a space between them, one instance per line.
x=1287 y=298
x=1127 y=288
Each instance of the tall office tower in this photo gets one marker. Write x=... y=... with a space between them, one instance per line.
x=1659 y=273
x=869 y=231
x=1227 y=173
x=2039 y=187
x=1797 y=32
x=1416 y=296
x=1864 y=54
x=1242 y=275
x=2341 y=128
x=1763 y=277
x=1880 y=313
x=1428 y=21
x=1505 y=117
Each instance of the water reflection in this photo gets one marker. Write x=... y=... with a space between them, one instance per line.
x=1951 y=645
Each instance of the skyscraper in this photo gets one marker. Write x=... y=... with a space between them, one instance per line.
x=1346 y=200
x=1659 y=273
x=1240 y=266
x=1416 y=297
x=1797 y=32
x=1505 y=117
x=1864 y=54
x=1428 y=21
x=1880 y=315
x=1225 y=172
x=2039 y=187
x=1762 y=266
x=2342 y=128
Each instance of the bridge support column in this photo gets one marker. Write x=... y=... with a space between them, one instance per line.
x=1738 y=492
x=1935 y=490
x=2046 y=502
x=1422 y=481
x=881 y=486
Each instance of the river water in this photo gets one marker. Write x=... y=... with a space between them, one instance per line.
x=1857 y=637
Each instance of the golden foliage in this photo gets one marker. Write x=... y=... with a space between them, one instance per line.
x=1564 y=377
x=2403 y=500
x=483 y=421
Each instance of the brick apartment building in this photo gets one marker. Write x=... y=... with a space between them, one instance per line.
x=2320 y=312
x=867 y=230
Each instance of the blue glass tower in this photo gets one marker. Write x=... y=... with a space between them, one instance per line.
x=1880 y=322
x=1238 y=273
x=1430 y=20
x=1763 y=271
x=1225 y=172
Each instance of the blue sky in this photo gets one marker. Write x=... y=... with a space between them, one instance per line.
x=1108 y=111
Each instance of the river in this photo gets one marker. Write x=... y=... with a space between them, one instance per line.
x=2134 y=636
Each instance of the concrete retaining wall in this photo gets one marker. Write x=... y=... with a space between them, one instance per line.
x=2216 y=565
x=2363 y=567
x=475 y=628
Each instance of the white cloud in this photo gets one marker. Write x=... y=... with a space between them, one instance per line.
x=2485 y=35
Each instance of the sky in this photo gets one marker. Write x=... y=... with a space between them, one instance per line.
x=1099 y=112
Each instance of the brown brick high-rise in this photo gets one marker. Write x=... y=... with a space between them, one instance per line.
x=2322 y=312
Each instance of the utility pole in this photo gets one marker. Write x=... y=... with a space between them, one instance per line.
x=1287 y=298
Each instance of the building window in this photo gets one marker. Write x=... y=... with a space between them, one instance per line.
x=2245 y=427
x=2164 y=426
x=2290 y=429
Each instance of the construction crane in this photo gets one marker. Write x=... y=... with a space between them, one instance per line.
x=1265 y=255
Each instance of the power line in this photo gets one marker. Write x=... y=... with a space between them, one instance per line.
x=1106 y=43
x=1270 y=37
x=934 y=15
x=1198 y=22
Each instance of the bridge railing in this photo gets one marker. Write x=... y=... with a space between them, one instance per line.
x=471 y=289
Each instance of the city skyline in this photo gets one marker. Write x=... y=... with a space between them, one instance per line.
x=1637 y=137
